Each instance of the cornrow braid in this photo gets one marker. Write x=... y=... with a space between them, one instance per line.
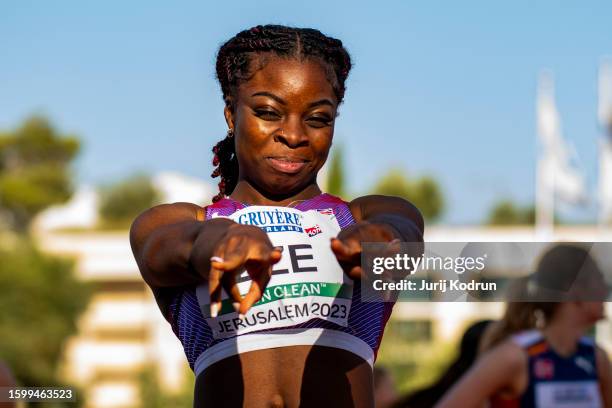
x=236 y=64
x=225 y=161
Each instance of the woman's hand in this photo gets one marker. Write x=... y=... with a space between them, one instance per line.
x=242 y=247
x=347 y=246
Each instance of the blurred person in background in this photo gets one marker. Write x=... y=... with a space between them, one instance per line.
x=209 y=266
x=468 y=351
x=385 y=392
x=6 y=380
x=538 y=355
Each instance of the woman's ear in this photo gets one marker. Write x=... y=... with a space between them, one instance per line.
x=228 y=112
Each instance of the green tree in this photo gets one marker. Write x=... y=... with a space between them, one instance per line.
x=425 y=192
x=39 y=295
x=120 y=203
x=335 y=178
x=506 y=212
x=427 y=196
x=394 y=183
x=34 y=170
x=529 y=215
x=41 y=300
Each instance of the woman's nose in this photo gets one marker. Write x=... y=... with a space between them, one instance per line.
x=292 y=134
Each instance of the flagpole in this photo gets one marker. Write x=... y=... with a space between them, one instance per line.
x=604 y=114
x=558 y=175
x=544 y=200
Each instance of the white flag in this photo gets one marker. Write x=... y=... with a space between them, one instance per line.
x=561 y=174
x=604 y=107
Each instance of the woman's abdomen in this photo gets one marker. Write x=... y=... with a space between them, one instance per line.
x=295 y=376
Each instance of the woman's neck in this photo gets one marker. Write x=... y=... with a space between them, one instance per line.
x=563 y=335
x=246 y=193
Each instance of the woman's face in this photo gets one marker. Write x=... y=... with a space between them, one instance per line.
x=593 y=288
x=283 y=124
x=592 y=312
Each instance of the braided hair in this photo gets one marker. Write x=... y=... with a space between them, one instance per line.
x=236 y=65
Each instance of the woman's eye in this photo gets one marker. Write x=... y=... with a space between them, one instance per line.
x=267 y=115
x=319 y=121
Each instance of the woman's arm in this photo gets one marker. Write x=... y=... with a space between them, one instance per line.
x=378 y=219
x=604 y=375
x=504 y=368
x=174 y=246
x=163 y=242
x=396 y=212
x=168 y=244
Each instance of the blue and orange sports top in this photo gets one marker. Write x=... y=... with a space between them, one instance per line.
x=308 y=301
x=556 y=381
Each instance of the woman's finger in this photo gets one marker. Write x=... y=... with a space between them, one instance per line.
x=214 y=286
x=260 y=278
x=344 y=253
x=275 y=255
x=356 y=273
x=255 y=293
x=341 y=251
x=231 y=261
x=228 y=281
x=260 y=259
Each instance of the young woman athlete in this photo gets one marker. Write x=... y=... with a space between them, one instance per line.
x=262 y=286
x=537 y=356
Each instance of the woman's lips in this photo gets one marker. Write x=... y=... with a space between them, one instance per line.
x=287 y=165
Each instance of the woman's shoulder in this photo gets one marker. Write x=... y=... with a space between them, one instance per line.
x=160 y=215
x=509 y=352
x=168 y=214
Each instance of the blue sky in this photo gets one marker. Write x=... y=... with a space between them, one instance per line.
x=444 y=89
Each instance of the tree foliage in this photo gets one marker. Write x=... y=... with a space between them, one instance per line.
x=34 y=170
x=41 y=300
x=506 y=212
x=120 y=203
x=424 y=192
x=39 y=295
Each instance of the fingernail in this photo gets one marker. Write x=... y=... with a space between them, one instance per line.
x=236 y=306
x=240 y=316
x=216 y=259
x=395 y=241
x=214 y=309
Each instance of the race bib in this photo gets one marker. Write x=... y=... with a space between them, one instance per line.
x=568 y=394
x=306 y=283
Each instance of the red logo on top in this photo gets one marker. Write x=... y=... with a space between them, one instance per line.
x=312 y=231
x=544 y=369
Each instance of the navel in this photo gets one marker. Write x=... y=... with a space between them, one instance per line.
x=276 y=401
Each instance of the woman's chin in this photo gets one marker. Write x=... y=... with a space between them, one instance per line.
x=286 y=186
